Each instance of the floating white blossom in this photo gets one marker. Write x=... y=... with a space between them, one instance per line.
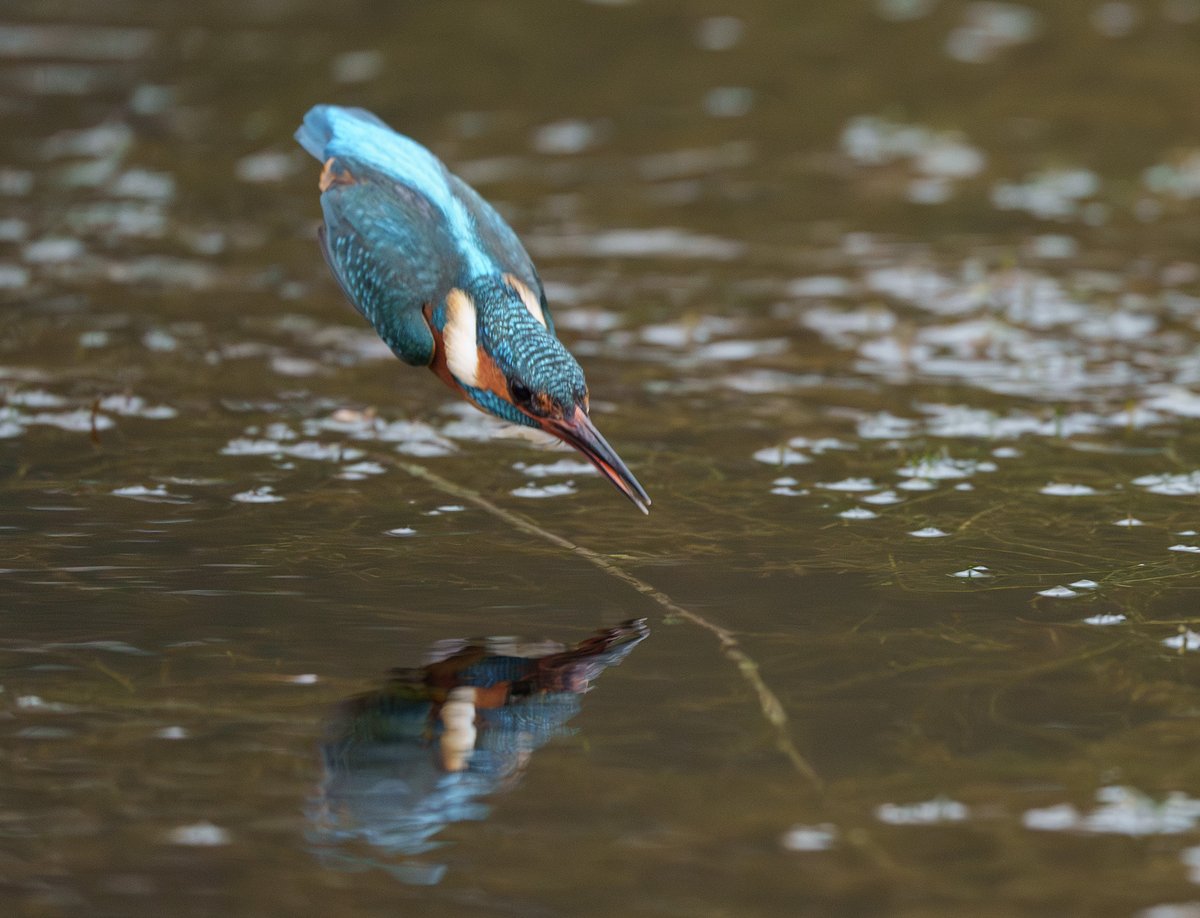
x=928 y=812
x=979 y=572
x=200 y=835
x=849 y=484
x=882 y=498
x=549 y=490
x=1183 y=485
x=1185 y=640
x=858 y=513
x=781 y=456
x=263 y=495
x=1114 y=618
x=1059 y=489
x=809 y=838
x=1058 y=592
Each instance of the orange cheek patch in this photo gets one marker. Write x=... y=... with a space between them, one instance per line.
x=489 y=377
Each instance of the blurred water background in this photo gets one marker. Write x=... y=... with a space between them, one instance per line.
x=892 y=305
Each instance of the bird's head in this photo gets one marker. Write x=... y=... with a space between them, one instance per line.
x=496 y=346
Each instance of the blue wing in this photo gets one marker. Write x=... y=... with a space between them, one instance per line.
x=406 y=229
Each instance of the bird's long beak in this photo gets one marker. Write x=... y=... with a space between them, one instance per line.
x=579 y=431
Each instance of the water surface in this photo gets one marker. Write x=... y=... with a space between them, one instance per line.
x=892 y=306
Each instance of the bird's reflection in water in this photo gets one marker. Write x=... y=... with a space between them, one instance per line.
x=403 y=762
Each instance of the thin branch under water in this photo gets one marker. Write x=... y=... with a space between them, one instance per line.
x=768 y=702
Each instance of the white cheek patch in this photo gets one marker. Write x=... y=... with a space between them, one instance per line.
x=528 y=297
x=462 y=354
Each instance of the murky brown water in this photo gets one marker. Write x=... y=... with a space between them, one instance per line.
x=893 y=306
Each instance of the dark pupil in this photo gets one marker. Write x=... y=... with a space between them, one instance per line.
x=519 y=392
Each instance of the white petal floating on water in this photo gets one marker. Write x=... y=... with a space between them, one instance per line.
x=365 y=468
x=785 y=482
x=886 y=426
x=80 y=421
x=929 y=532
x=158 y=340
x=325 y=452
x=927 y=813
x=550 y=490
x=809 y=838
x=1085 y=585
x=35 y=398
x=53 y=250
x=1122 y=811
x=561 y=468
x=979 y=572
x=1177 y=401
x=136 y=406
x=1058 y=592
x=964 y=486
x=1058 y=818
x=244 y=447
x=917 y=484
x=664 y=242
x=1185 y=640
x=785 y=491
x=1189 y=549
x=818 y=286
x=200 y=835
x=425 y=449
x=945 y=467
x=567 y=137
x=1060 y=489
x=1186 y=532
x=1129 y=521
x=990 y=27
x=263 y=495
x=158 y=493
x=858 y=513
x=781 y=456
x=882 y=498
x=1182 y=485
x=401 y=531
x=822 y=445
x=849 y=484
x=1114 y=618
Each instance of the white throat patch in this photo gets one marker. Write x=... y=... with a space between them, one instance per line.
x=462 y=352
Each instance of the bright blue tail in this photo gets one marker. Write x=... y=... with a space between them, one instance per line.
x=319 y=124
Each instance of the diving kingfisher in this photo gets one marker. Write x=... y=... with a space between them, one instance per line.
x=445 y=281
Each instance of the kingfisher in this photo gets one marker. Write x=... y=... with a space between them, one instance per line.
x=446 y=282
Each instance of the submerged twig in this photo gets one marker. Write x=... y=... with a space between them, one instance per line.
x=768 y=702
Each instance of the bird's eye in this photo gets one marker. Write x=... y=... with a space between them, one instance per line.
x=520 y=393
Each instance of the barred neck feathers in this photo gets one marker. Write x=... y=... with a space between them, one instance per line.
x=513 y=331
x=494 y=332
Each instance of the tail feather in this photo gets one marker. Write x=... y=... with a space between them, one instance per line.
x=317 y=130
